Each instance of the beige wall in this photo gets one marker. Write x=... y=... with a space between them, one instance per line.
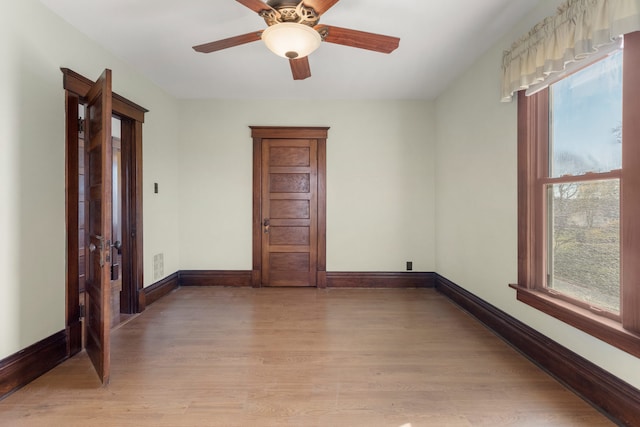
x=35 y=44
x=476 y=215
x=380 y=187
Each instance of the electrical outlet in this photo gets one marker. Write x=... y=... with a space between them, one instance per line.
x=409 y=265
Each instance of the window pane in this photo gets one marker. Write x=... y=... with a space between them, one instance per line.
x=586 y=120
x=584 y=242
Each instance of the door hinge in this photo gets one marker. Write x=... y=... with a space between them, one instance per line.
x=82 y=311
x=80 y=125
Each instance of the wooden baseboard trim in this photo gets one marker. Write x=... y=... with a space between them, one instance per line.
x=215 y=278
x=380 y=280
x=26 y=365
x=328 y=279
x=614 y=397
x=159 y=289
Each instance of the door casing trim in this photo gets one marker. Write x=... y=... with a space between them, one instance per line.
x=259 y=134
x=132 y=115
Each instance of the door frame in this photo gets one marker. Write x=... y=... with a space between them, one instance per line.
x=76 y=88
x=259 y=134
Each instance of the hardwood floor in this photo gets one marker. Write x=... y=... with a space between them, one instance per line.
x=302 y=357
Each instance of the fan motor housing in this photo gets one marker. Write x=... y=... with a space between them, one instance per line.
x=289 y=11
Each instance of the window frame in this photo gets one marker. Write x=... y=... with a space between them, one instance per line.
x=621 y=331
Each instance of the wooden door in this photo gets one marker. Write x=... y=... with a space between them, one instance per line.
x=98 y=228
x=290 y=222
x=289 y=205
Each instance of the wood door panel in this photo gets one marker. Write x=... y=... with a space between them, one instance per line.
x=291 y=236
x=289 y=196
x=289 y=222
x=289 y=261
x=94 y=206
x=291 y=278
x=94 y=174
x=94 y=300
x=289 y=249
x=95 y=125
x=289 y=183
x=289 y=209
x=289 y=156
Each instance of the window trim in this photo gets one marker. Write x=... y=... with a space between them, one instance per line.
x=533 y=135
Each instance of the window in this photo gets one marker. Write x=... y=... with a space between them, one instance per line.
x=579 y=198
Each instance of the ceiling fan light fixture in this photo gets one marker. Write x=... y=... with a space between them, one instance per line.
x=291 y=40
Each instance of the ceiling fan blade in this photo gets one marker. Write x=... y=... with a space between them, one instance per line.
x=360 y=39
x=320 y=6
x=300 y=68
x=227 y=43
x=255 y=5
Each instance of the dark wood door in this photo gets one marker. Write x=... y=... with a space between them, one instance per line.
x=289 y=208
x=98 y=175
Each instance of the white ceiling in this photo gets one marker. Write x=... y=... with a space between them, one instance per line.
x=438 y=40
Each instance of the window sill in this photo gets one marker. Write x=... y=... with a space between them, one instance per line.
x=600 y=327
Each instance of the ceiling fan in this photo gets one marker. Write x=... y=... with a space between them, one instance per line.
x=293 y=32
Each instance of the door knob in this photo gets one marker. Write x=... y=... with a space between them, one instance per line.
x=266 y=224
x=93 y=248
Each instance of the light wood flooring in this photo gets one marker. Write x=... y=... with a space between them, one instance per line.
x=302 y=357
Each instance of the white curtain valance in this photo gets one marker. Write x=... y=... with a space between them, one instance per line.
x=578 y=30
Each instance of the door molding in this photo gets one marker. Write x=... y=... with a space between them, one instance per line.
x=259 y=134
x=132 y=115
